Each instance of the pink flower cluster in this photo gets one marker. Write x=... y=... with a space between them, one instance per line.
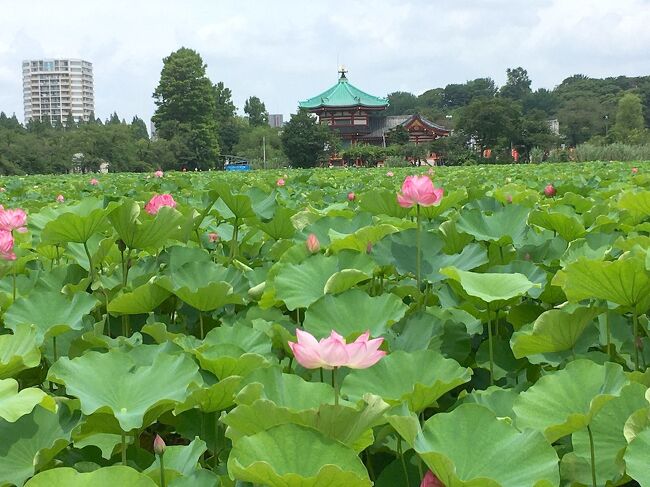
x=158 y=201
x=419 y=190
x=333 y=352
x=10 y=220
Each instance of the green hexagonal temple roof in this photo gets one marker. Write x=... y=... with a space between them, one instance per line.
x=343 y=94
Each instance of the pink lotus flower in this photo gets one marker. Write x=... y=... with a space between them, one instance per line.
x=550 y=191
x=213 y=237
x=509 y=198
x=60 y=198
x=158 y=201
x=351 y=196
x=333 y=352
x=7 y=245
x=390 y=174
x=430 y=480
x=159 y=445
x=280 y=182
x=159 y=173
x=635 y=170
x=94 y=182
x=313 y=245
x=419 y=190
x=13 y=220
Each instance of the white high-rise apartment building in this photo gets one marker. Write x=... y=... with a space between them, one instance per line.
x=55 y=88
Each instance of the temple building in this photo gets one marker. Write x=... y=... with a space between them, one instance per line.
x=359 y=118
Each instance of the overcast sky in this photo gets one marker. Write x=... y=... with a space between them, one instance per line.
x=286 y=51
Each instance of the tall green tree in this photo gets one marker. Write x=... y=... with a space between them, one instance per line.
x=186 y=107
x=228 y=126
x=630 y=124
x=305 y=142
x=517 y=85
x=490 y=122
x=256 y=111
x=139 y=129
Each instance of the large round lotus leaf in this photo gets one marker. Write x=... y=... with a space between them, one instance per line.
x=77 y=224
x=555 y=330
x=636 y=202
x=52 y=313
x=14 y=404
x=143 y=299
x=240 y=205
x=213 y=398
x=343 y=280
x=114 y=476
x=293 y=456
x=143 y=232
x=353 y=312
x=179 y=460
x=101 y=430
x=299 y=285
x=198 y=478
x=360 y=239
x=490 y=286
x=33 y=441
x=534 y=274
x=609 y=441
x=507 y=225
x=566 y=401
x=114 y=382
x=467 y=447
x=636 y=458
x=280 y=226
x=418 y=378
x=382 y=202
x=19 y=351
x=562 y=221
x=624 y=281
x=496 y=399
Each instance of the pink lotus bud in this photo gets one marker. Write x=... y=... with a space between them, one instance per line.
x=94 y=182
x=635 y=170
x=7 y=245
x=368 y=247
x=390 y=174
x=430 y=480
x=351 y=196
x=313 y=245
x=509 y=198
x=159 y=173
x=60 y=198
x=419 y=190
x=159 y=445
x=280 y=182
x=213 y=237
x=550 y=191
x=158 y=201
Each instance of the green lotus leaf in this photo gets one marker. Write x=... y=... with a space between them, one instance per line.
x=592 y=247
x=506 y=225
x=146 y=232
x=381 y=202
x=419 y=378
x=102 y=430
x=624 y=281
x=116 y=475
x=490 y=287
x=198 y=478
x=353 y=312
x=496 y=399
x=180 y=461
x=143 y=299
x=77 y=224
x=299 y=285
x=534 y=274
x=33 y=441
x=294 y=456
x=466 y=448
x=281 y=225
x=19 y=351
x=636 y=458
x=343 y=280
x=555 y=330
x=239 y=204
x=213 y=398
x=14 y=404
x=360 y=239
x=52 y=313
x=566 y=401
x=115 y=382
x=565 y=224
x=636 y=202
x=609 y=441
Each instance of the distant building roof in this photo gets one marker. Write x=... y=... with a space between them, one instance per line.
x=343 y=94
x=386 y=124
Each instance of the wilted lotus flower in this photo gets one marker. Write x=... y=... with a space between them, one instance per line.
x=351 y=196
x=7 y=245
x=60 y=198
x=94 y=182
x=313 y=245
x=159 y=445
x=158 y=201
x=635 y=170
x=280 y=182
x=419 y=190
x=213 y=237
x=430 y=480
x=159 y=173
x=550 y=191
x=13 y=220
x=333 y=352
x=390 y=174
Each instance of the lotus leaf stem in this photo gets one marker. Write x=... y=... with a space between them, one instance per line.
x=54 y=354
x=401 y=457
x=609 y=335
x=201 y=325
x=13 y=281
x=234 y=241
x=163 y=482
x=418 y=256
x=335 y=385
x=635 y=325
x=123 y=448
x=593 y=457
x=489 y=327
x=91 y=267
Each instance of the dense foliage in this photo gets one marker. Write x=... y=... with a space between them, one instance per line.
x=516 y=341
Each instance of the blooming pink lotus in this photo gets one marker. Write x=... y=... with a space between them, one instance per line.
x=213 y=237
x=390 y=174
x=159 y=445
x=13 y=220
x=159 y=173
x=7 y=245
x=333 y=352
x=158 y=201
x=635 y=170
x=313 y=245
x=94 y=182
x=430 y=480
x=550 y=191
x=60 y=198
x=419 y=190
x=280 y=182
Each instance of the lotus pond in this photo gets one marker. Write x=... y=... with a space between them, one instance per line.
x=512 y=323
